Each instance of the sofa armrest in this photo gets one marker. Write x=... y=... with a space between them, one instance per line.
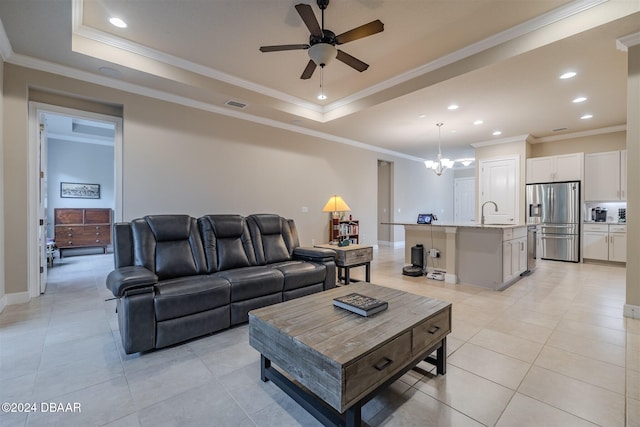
x=319 y=255
x=130 y=278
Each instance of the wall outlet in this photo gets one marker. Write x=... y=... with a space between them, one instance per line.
x=313 y=242
x=305 y=209
x=434 y=253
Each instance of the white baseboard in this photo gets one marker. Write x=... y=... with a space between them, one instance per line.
x=632 y=311
x=16 y=298
x=399 y=244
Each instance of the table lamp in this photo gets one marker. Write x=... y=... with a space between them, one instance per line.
x=335 y=205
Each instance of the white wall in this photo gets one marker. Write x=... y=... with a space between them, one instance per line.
x=78 y=162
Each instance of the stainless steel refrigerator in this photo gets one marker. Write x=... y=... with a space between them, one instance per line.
x=556 y=207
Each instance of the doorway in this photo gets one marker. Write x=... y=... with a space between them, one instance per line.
x=72 y=147
x=385 y=204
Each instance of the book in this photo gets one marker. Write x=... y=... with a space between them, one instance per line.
x=360 y=304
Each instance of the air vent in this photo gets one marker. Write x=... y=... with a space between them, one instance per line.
x=236 y=104
x=87 y=127
x=558 y=129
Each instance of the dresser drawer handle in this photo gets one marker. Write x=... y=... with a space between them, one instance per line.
x=434 y=329
x=383 y=364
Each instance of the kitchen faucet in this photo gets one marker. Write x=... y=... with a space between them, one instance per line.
x=482 y=209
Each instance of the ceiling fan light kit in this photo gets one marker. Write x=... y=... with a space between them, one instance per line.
x=322 y=42
x=322 y=53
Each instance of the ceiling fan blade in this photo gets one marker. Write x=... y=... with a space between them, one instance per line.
x=283 y=47
x=365 y=30
x=351 y=61
x=308 y=71
x=309 y=19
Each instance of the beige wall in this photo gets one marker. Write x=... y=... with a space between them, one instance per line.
x=633 y=184
x=587 y=144
x=2 y=181
x=183 y=160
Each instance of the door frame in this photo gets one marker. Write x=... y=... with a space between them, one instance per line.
x=33 y=181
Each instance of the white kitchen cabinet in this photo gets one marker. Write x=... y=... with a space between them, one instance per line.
x=514 y=253
x=603 y=176
x=604 y=242
x=565 y=167
x=499 y=182
x=617 y=242
x=595 y=245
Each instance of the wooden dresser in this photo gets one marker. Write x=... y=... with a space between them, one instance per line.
x=82 y=228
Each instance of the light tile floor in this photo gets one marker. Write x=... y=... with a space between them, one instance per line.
x=552 y=350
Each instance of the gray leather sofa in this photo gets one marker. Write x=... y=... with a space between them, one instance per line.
x=177 y=277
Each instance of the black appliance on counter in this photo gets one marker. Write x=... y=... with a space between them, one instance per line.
x=598 y=214
x=556 y=207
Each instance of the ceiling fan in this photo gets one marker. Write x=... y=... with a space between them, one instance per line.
x=322 y=42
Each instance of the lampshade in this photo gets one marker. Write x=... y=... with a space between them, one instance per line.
x=336 y=204
x=322 y=53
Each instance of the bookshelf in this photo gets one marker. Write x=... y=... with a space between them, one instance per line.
x=344 y=229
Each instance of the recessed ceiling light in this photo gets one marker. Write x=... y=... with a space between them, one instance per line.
x=453 y=107
x=478 y=122
x=586 y=116
x=580 y=99
x=422 y=116
x=568 y=75
x=117 y=22
x=496 y=133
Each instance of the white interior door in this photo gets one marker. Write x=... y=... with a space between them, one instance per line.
x=42 y=202
x=464 y=200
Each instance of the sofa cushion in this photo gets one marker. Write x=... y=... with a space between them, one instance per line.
x=298 y=274
x=168 y=245
x=272 y=238
x=188 y=295
x=227 y=242
x=252 y=282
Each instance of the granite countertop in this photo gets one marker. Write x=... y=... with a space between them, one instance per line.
x=460 y=225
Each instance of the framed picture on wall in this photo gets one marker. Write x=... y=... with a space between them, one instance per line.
x=75 y=190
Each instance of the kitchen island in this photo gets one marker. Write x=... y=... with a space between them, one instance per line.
x=490 y=256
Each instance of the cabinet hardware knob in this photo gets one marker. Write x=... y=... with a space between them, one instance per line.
x=383 y=364
x=434 y=329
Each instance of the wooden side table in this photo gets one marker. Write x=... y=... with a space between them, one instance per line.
x=351 y=256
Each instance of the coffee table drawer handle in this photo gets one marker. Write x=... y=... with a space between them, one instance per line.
x=383 y=364
x=434 y=329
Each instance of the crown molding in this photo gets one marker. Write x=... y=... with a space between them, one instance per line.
x=591 y=132
x=508 y=140
x=45 y=66
x=532 y=25
x=79 y=29
x=512 y=33
x=630 y=40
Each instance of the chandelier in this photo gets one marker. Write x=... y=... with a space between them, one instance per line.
x=440 y=165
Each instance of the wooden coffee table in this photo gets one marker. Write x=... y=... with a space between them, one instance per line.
x=339 y=360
